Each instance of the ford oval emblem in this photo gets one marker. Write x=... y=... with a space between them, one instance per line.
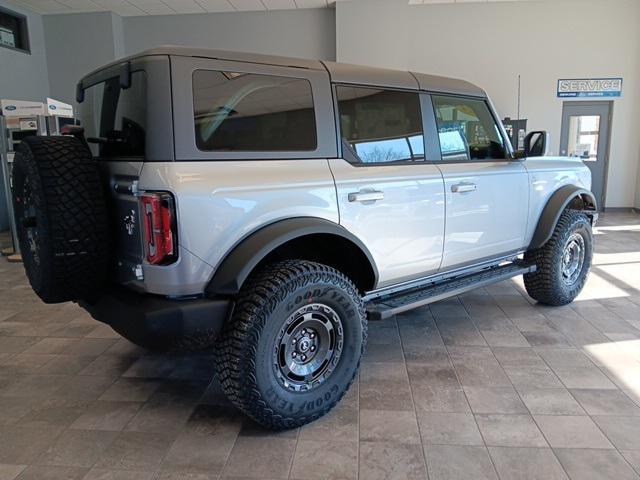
x=10 y=107
x=52 y=107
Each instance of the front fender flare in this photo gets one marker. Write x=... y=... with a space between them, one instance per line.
x=559 y=201
x=246 y=255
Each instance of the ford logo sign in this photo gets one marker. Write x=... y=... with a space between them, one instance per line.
x=10 y=107
x=52 y=107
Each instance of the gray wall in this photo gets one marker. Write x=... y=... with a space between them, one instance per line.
x=76 y=44
x=297 y=33
x=23 y=76
x=491 y=43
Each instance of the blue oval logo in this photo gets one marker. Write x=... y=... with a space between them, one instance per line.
x=10 y=107
x=52 y=107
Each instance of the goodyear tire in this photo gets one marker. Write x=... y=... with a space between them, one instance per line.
x=61 y=219
x=563 y=263
x=294 y=344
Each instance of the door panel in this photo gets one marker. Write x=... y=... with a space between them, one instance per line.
x=487 y=205
x=487 y=194
x=585 y=134
x=397 y=211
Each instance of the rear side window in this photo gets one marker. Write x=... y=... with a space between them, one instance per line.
x=252 y=113
x=380 y=126
x=115 y=118
x=467 y=130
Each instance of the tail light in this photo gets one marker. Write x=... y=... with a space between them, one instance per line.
x=158 y=212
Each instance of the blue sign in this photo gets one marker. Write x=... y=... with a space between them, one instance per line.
x=590 y=87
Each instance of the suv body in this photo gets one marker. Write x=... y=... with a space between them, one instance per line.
x=403 y=185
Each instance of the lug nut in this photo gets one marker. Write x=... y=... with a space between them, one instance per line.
x=294 y=354
x=313 y=348
x=312 y=335
x=304 y=331
x=294 y=341
x=303 y=358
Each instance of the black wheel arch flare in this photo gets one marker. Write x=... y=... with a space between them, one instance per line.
x=565 y=197
x=237 y=265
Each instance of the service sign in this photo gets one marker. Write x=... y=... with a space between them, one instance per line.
x=590 y=87
x=59 y=109
x=21 y=108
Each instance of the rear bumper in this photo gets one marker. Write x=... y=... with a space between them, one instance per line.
x=140 y=316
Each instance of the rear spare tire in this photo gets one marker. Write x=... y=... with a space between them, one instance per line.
x=61 y=218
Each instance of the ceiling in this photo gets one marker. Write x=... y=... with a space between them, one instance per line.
x=128 y=8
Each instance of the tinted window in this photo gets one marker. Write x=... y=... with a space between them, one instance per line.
x=114 y=118
x=467 y=130
x=380 y=126
x=248 y=112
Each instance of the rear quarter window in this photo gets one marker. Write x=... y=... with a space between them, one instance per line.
x=115 y=118
x=252 y=113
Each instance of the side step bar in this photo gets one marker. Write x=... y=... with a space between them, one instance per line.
x=387 y=306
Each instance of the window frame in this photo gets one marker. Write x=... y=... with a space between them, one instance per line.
x=338 y=125
x=183 y=110
x=509 y=157
x=23 y=21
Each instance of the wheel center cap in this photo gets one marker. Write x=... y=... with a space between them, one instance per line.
x=304 y=345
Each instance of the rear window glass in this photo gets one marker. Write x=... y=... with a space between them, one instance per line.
x=249 y=112
x=114 y=119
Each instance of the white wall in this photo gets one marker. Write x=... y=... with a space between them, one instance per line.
x=78 y=43
x=491 y=43
x=307 y=33
x=23 y=76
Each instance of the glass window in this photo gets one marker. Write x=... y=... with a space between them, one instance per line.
x=467 y=130
x=584 y=137
x=380 y=126
x=114 y=119
x=253 y=113
x=13 y=30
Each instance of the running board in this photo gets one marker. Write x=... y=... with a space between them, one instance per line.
x=387 y=306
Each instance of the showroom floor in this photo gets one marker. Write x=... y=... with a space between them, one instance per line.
x=480 y=386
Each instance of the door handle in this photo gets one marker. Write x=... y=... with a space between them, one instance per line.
x=464 y=187
x=367 y=196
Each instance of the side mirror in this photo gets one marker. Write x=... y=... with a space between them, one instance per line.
x=535 y=144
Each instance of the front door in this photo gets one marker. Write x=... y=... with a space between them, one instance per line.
x=585 y=134
x=487 y=193
x=388 y=195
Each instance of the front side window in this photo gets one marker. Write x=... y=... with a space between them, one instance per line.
x=380 y=126
x=252 y=113
x=467 y=130
x=115 y=118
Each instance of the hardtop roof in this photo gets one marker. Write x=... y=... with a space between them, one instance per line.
x=339 y=72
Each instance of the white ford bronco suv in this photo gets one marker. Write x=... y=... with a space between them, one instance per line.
x=268 y=207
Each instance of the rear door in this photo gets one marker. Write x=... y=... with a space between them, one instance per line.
x=487 y=192
x=388 y=194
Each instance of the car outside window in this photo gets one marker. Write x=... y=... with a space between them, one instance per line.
x=467 y=130
x=252 y=113
x=380 y=126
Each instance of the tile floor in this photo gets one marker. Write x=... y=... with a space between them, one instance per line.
x=484 y=386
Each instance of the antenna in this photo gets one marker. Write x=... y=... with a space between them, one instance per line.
x=519 y=91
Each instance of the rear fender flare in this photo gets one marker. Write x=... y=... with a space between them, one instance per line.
x=246 y=255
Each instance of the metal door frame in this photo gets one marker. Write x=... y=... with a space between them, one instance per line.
x=594 y=103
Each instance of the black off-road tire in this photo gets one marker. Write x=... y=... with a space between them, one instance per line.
x=61 y=218
x=546 y=284
x=246 y=350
